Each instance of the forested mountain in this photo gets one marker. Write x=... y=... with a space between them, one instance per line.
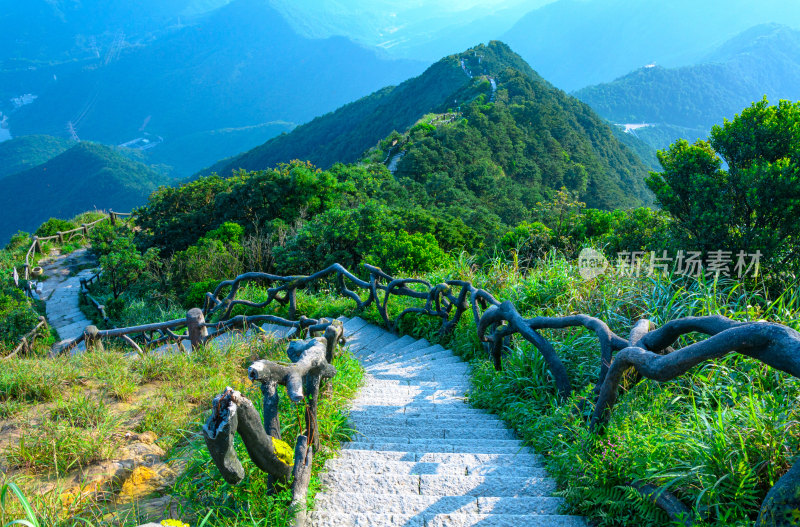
x=685 y=102
x=85 y=177
x=511 y=143
x=576 y=43
x=29 y=151
x=237 y=67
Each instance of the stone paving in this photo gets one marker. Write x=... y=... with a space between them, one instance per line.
x=61 y=292
x=422 y=455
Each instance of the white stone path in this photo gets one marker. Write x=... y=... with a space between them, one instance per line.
x=422 y=456
x=61 y=291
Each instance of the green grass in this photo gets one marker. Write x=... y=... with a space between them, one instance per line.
x=72 y=412
x=249 y=503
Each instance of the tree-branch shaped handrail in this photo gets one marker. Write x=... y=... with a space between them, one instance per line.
x=233 y=413
x=647 y=350
x=27 y=340
x=83 y=230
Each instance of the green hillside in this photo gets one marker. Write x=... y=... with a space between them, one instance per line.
x=87 y=176
x=29 y=151
x=182 y=156
x=687 y=101
x=524 y=141
x=343 y=135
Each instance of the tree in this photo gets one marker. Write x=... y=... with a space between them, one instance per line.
x=740 y=190
x=124 y=264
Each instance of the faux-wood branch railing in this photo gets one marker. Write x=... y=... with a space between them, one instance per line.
x=233 y=413
x=647 y=350
x=27 y=340
x=66 y=236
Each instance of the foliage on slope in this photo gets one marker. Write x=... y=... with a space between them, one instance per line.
x=762 y=60
x=29 y=151
x=86 y=176
x=507 y=155
x=538 y=121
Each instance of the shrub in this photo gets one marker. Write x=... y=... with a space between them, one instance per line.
x=16 y=317
x=53 y=226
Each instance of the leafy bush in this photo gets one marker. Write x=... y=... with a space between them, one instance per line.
x=216 y=256
x=751 y=205
x=53 y=226
x=123 y=264
x=195 y=296
x=16 y=317
x=18 y=240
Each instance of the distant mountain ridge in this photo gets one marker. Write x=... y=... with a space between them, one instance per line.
x=578 y=43
x=687 y=101
x=557 y=140
x=238 y=67
x=84 y=177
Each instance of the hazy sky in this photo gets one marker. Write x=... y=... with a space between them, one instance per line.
x=376 y=21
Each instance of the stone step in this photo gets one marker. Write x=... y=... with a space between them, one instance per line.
x=442 y=376
x=431 y=432
x=503 y=520
x=437 y=360
x=338 y=519
x=382 y=466
x=437 y=485
x=390 y=349
x=463 y=412
x=488 y=446
x=376 y=385
x=352 y=325
x=433 y=360
x=405 y=504
x=431 y=352
x=437 y=372
x=444 y=421
x=408 y=353
x=468 y=460
x=518 y=458
x=374 y=337
x=338 y=502
x=406 y=391
x=402 y=351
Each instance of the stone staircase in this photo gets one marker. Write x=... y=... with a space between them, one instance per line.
x=421 y=455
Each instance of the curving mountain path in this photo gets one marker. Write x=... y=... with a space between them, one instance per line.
x=61 y=292
x=422 y=457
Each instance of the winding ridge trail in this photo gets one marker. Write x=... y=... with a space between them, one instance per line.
x=422 y=457
x=61 y=290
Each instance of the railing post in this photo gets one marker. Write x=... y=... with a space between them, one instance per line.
x=112 y=217
x=60 y=237
x=92 y=339
x=292 y=303
x=195 y=328
x=85 y=229
x=36 y=244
